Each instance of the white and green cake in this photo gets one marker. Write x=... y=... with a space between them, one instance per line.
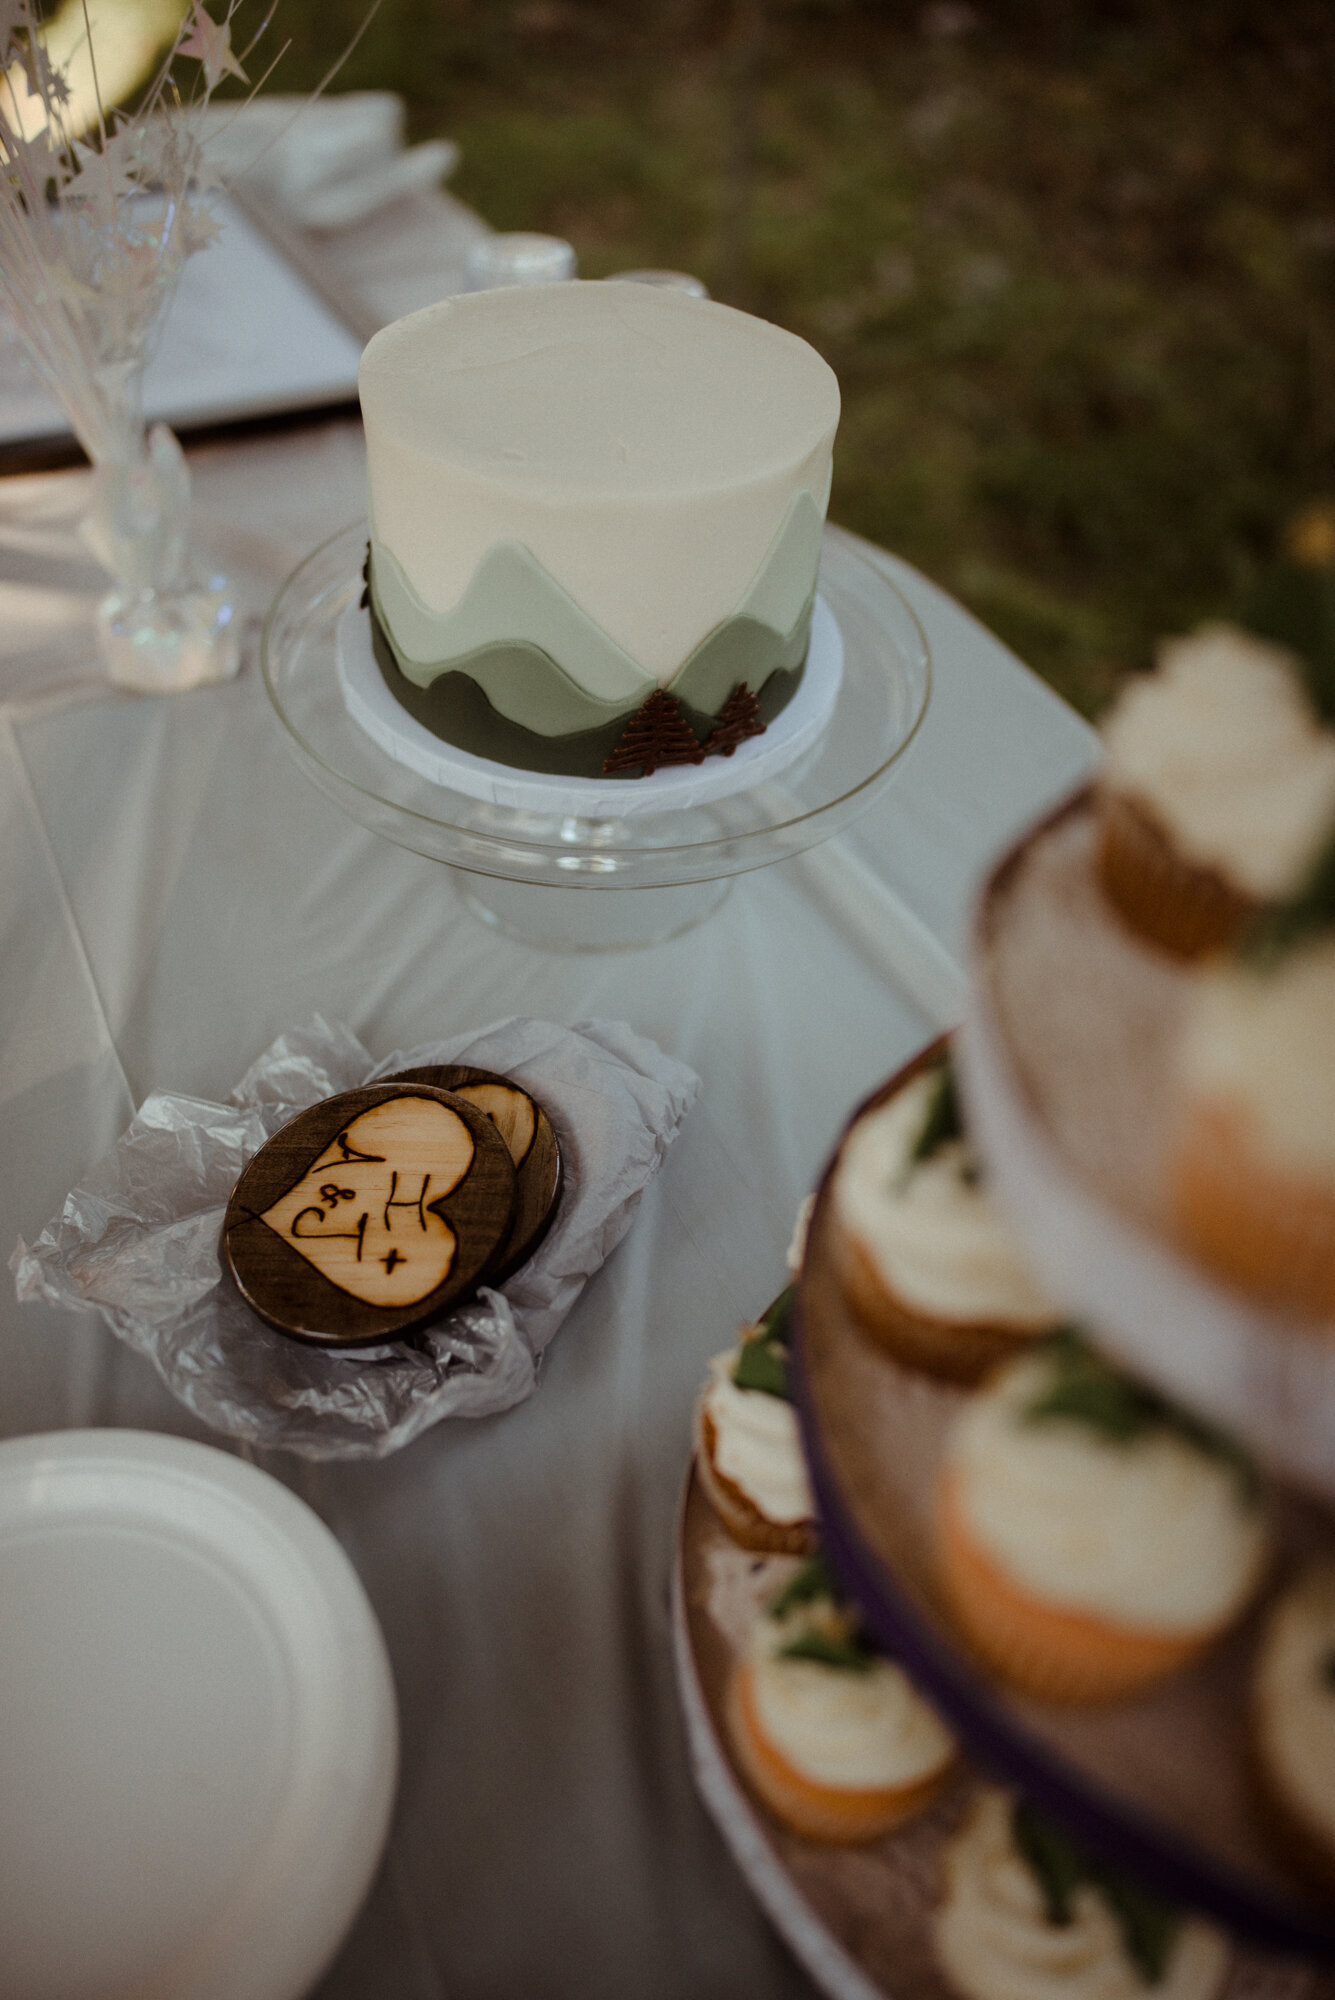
x=596 y=513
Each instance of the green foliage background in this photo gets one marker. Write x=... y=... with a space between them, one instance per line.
x=1074 y=263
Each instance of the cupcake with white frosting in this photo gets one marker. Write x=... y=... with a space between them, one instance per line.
x=1091 y=1538
x=748 y=1452
x=1218 y=787
x=924 y=1256
x=1027 y=1915
x=833 y=1736
x=1294 y=1712
x=1251 y=1157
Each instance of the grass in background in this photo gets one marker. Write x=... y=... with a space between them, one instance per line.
x=1073 y=264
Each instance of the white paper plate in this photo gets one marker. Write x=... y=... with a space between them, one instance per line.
x=198 y=1739
x=388 y=724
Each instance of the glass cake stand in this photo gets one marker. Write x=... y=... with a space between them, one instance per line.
x=647 y=876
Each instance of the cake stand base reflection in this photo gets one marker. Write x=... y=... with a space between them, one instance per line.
x=562 y=918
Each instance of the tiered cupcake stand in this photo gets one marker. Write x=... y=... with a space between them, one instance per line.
x=589 y=864
x=1063 y=1061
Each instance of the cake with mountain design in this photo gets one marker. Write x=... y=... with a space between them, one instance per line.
x=596 y=514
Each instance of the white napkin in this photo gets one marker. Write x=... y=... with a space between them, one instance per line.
x=327 y=164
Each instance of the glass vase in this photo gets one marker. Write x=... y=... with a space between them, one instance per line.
x=162 y=626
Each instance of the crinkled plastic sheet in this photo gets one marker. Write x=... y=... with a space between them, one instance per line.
x=138 y=1240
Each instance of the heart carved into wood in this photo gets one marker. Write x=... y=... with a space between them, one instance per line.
x=363 y=1214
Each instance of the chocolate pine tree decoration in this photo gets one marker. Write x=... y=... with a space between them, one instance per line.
x=658 y=733
x=738 y=718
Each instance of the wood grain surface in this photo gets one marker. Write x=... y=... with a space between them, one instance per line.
x=531 y=1138
x=369 y=1213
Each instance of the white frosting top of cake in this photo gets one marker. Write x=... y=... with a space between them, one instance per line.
x=1295 y=1700
x=931 y=1227
x=1150 y=1533
x=1263 y=1044
x=645 y=446
x=1221 y=744
x=858 y=1730
x=757 y=1445
x=995 y=1941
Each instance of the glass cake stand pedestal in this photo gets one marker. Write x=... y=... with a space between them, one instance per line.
x=561 y=877
x=549 y=916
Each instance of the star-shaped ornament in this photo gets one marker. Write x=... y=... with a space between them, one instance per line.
x=210 y=43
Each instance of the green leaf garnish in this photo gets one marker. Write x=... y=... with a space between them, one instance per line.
x=850 y=1653
x=760 y=1366
x=830 y=1637
x=1308 y=913
x=812 y=1580
x=941 y=1121
x=762 y=1359
x=1149 y=1927
x=1056 y=1863
x=1083 y=1388
x=1059 y=1865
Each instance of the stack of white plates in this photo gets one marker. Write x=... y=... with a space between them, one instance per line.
x=198 y=1741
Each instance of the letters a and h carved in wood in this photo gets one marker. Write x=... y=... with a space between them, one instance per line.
x=532 y=1144
x=382 y=1207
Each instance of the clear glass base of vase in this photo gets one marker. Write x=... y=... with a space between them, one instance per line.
x=163 y=641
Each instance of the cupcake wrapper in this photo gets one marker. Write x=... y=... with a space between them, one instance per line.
x=955 y=1350
x=816 y=1811
x=1266 y=1230
x=1163 y=897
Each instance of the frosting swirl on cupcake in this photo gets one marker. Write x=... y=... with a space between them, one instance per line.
x=930 y=1225
x=996 y=1940
x=757 y=1445
x=858 y=1728
x=1150 y=1531
x=1222 y=746
x=1260 y=1044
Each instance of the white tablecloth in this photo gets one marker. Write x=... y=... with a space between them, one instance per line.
x=174 y=894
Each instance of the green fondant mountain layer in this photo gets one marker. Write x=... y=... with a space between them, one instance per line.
x=513 y=603
x=527 y=687
x=455 y=708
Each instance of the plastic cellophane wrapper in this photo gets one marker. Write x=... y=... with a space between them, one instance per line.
x=138 y=1239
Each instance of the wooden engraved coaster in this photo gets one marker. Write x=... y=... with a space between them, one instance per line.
x=369 y=1213
x=528 y=1133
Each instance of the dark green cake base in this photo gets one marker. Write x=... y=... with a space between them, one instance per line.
x=455 y=709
